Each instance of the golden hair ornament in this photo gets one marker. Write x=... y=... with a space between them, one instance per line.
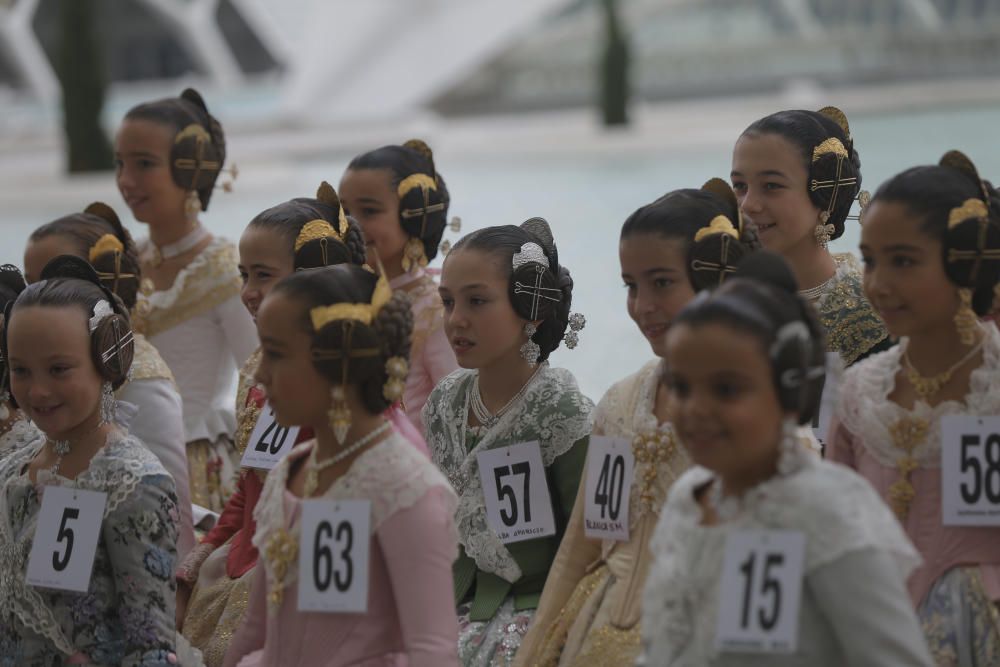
x=837 y=116
x=971 y=209
x=361 y=312
x=105 y=244
x=831 y=145
x=313 y=231
x=413 y=181
x=720 y=224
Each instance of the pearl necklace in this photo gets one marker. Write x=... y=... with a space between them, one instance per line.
x=62 y=447
x=814 y=293
x=487 y=419
x=316 y=466
x=186 y=243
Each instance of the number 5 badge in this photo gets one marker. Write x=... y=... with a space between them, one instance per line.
x=518 y=505
x=66 y=536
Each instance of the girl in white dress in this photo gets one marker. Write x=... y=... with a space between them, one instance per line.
x=745 y=369
x=169 y=154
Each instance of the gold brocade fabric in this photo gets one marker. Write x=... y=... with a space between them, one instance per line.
x=247 y=412
x=851 y=325
x=147 y=363
x=212 y=471
x=210 y=279
x=216 y=609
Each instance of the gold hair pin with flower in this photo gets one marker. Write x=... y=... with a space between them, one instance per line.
x=109 y=243
x=720 y=224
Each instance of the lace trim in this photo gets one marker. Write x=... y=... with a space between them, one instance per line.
x=553 y=412
x=148 y=364
x=115 y=470
x=839 y=512
x=20 y=433
x=866 y=411
x=626 y=411
x=247 y=411
x=392 y=474
x=851 y=324
x=209 y=280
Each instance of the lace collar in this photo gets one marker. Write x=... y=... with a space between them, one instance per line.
x=866 y=411
x=839 y=512
x=553 y=412
x=115 y=470
x=392 y=474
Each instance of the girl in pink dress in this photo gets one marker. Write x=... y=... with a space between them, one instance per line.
x=335 y=344
x=931 y=248
x=401 y=202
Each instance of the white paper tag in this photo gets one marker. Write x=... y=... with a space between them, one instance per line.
x=269 y=442
x=66 y=536
x=828 y=401
x=333 y=555
x=760 y=592
x=970 y=471
x=518 y=506
x=610 y=468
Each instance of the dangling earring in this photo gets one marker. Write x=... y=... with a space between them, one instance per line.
x=414 y=256
x=790 y=450
x=108 y=407
x=530 y=351
x=339 y=414
x=966 y=321
x=192 y=205
x=576 y=323
x=824 y=231
x=397 y=369
x=4 y=410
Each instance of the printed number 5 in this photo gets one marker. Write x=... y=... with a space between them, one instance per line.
x=523 y=468
x=59 y=564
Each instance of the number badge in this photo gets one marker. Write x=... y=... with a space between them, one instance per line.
x=66 y=536
x=970 y=471
x=269 y=442
x=518 y=505
x=610 y=467
x=761 y=591
x=333 y=555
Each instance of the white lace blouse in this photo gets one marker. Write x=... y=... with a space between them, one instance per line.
x=204 y=333
x=854 y=606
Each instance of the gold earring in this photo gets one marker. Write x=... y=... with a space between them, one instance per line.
x=413 y=255
x=397 y=369
x=192 y=205
x=824 y=230
x=339 y=414
x=966 y=321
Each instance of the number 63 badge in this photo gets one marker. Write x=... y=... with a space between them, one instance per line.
x=66 y=536
x=334 y=537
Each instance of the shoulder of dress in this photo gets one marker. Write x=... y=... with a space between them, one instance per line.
x=853 y=328
x=147 y=364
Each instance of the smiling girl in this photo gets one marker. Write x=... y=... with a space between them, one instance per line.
x=303 y=233
x=931 y=247
x=745 y=367
x=333 y=340
x=589 y=611
x=98 y=237
x=69 y=344
x=796 y=174
x=401 y=202
x=507 y=307
x=169 y=154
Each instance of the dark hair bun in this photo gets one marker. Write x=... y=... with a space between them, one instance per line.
x=11 y=283
x=70 y=266
x=721 y=244
x=198 y=154
x=769 y=268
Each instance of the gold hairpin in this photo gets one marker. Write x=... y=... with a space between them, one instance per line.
x=362 y=312
x=831 y=145
x=423 y=181
x=105 y=244
x=319 y=229
x=720 y=224
x=970 y=209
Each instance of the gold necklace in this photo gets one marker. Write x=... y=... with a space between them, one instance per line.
x=926 y=387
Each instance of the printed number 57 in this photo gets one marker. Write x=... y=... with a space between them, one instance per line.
x=523 y=468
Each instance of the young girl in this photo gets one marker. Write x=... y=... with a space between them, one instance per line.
x=796 y=174
x=15 y=429
x=68 y=343
x=169 y=154
x=98 y=237
x=401 y=203
x=745 y=368
x=303 y=233
x=590 y=608
x=334 y=341
x=931 y=246
x=507 y=302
